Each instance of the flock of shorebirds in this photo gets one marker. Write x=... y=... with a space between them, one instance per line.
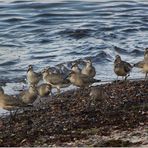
x=79 y=77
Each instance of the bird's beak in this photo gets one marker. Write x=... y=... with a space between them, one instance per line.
x=28 y=69
x=68 y=76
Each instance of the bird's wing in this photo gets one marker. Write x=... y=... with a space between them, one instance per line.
x=139 y=64
x=13 y=101
x=56 y=79
x=22 y=94
x=39 y=74
x=127 y=66
x=92 y=70
x=85 y=78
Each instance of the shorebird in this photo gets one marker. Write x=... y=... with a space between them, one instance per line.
x=146 y=53
x=9 y=102
x=145 y=66
x=62 y=69
x=139 y=64
x=55 y=79
x=75 y=68
x=89 y=69
x=44 y=90
x=81 y=80
x=28 y=96
x=97 y=92
x=33 y=77
x=122 y=68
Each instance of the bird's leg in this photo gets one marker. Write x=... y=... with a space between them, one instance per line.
x=16 y=112
x=116 y=80
x=11 y=117
x=58 y=90
x=145 y=76
x=127 y=76
x=51 y=94
x=40 y=100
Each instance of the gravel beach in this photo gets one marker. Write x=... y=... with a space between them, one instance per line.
x=72 y=118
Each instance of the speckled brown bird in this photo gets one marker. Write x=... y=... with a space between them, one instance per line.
x=28 y=96
x=139 y=64
x=145 y=66
x=146 y=53
x=88 y=69
x=75 y=68
x=33 y=78
x=122 y=68
x=81 y=80
x=55 y=79
x=97 y=92
x=44 y=90
x=9 y=102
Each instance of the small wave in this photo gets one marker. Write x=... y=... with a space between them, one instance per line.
x=12 y=45
x=137 y=52
x=8 y=63
x=14 y=20
x=143 y=29
x=45 y=41
x=43 y=57
x=120 y=50
x=111 y=28
x=4 y=15
x=130 y=30
x=20 y=1
x=77 y=33
x=46 y=15
x=101 y=57
x=43 y=21
x=33 y=5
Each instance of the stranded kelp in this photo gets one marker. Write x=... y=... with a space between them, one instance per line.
x=73 y=118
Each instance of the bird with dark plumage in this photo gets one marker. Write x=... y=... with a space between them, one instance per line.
x=33 y=78
x=122 y=68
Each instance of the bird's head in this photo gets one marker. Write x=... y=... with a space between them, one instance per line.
x=117 y=59
x=30 y=67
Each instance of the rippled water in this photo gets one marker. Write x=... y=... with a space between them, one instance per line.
x=50 y=32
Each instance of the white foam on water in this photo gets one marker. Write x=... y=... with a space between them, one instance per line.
x=3 y=111
x=14 y=88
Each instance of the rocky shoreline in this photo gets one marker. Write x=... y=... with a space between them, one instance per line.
x=73 y=119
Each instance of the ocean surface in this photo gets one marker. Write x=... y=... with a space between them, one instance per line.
x=54 y=32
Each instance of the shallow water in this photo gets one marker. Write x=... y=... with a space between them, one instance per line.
x=47 y=33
